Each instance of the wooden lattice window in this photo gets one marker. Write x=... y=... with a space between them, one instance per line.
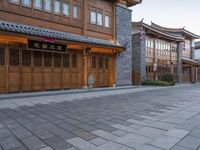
x=2 y=56
x=94 y=62
x=47 y=59
x=66 y=60
x=37 y=58
x=74 y=60
x=14 y=57
x=26 y=58
x=106 y=62
x=101 y=62
x=57 y=60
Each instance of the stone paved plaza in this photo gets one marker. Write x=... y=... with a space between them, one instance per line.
x=144 y=118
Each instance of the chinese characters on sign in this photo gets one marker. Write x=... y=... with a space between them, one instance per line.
x=38 y=45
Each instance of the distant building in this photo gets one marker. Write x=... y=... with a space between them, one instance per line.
x=197 y=51
x=158 y=50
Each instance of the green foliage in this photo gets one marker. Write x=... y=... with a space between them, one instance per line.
x=158 y=83
x=167 y=78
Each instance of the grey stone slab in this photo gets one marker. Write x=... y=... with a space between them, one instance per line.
x=43 y=133
x=142 y=123
x=84 y=134
x=68 y=126
x=81 y=144
x=105 y=127
x=124 y=128
x=173 y=120
x=148 y=147
x=113 y=146
x=57 y=143
x=105 y=135
x=190 y=142
x=98 y=141
x=33 y=143
x=135 y=126
x=133 y=140
x=19 y=148
x=164 y=142
x=72 y=148
x=177 y=133
x=162 y=125
x=9 y=143
x=21 y=132
x=176 y=147
x=46 y=148
x=150 y=132
x=195 y=133
x=119 y=132
x=4 y=132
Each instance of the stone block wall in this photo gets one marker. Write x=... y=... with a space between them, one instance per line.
x=123 y=37
x=180 y=66
x=138 y=57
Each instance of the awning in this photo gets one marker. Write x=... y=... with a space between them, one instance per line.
x=43 y=32
x=191 y=62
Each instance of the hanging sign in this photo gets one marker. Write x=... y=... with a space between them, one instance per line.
x=46 y=46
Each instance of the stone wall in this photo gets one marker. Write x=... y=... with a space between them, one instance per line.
x=180 y=68
x=123 y=36
x=138 y=57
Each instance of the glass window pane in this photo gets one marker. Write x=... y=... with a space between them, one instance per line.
x=99 y=19
x=14 y=1
x=37 y=58
x=47 y=59
x=47 y=5
x=26 y=58
x=94 y=62
x=74 y=61
x=14 y=57
x=2 y=57
x=107 y=21
x=75 y=11
x=65 y=9
x=57 y=60
x=66 y=60
x=38 y=4
x=93 y=17
x=57 y=5
x=26 y=2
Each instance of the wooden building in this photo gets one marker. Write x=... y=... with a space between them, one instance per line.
x=57 y=44
x=187 y=54
x=197 y=58
x=161 y=51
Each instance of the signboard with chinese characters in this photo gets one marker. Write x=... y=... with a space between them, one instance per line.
x=46 y=46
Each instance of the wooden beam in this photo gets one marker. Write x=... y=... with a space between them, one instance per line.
x=12 y=39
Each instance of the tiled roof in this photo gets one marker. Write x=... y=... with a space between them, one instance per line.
x=43 y=32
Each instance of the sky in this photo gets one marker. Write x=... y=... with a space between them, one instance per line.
x=170 y=13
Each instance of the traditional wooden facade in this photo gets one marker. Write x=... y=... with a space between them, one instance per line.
x=197 y=58
x=57 y=44
x=162 y=52
x=189 y=65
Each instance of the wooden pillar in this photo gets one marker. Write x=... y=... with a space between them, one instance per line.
x=85 y=67
x=112 y=74
x=6 y=50
x=154 y=59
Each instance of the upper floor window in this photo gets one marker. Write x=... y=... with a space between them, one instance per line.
x=107 y=21
x=99 y=19
x=37 y=4
x=75 y=11
x=65 y=8
x=14 y=1
x=57 y=5
x=26 y=2
x=93 y=18
x=47 y=5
